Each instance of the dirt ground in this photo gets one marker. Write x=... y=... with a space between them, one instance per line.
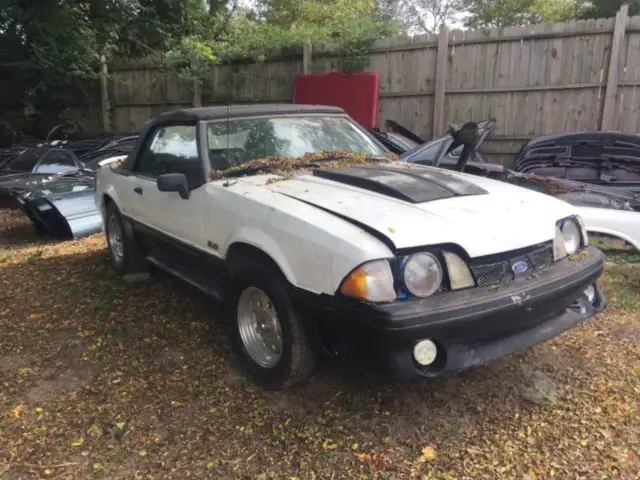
x=108 y=380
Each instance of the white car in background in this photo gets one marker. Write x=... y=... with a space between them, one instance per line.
x=319 y=243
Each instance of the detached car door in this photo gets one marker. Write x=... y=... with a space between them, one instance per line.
x=170 y=226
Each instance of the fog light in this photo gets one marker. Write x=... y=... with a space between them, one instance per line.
x=425 y=352
x=590 y=292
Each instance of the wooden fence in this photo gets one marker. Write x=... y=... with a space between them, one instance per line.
x=533 y=80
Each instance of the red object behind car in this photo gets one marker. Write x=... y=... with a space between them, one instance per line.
x=356 y=93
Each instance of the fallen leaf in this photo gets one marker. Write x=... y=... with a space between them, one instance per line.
x=606 y=433
x=78 y=442
x=17 y=411
x=329 y=445
x=429 y=453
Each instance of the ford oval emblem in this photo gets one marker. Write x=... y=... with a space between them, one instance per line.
x=519 y=267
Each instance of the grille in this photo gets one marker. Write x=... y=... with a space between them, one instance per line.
x=499 y=271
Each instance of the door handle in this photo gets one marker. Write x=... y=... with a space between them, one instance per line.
x=138 y=190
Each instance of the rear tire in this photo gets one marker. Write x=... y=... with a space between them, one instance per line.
x=124 y=254
x=287 y=357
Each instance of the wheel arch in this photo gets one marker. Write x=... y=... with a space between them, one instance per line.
x=241 y=253
x=614 y=233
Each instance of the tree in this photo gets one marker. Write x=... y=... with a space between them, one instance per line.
x=497 y=13
x=609 y=8
x=52 y=47
x=504 y=13
x=426 y=16
x=289 y=13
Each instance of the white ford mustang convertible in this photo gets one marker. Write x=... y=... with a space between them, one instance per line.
x=320 y=243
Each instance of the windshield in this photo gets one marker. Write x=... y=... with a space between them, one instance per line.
x=23 y=162
x=235 y=142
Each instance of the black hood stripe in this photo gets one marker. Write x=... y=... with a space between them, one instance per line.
x=444 y=179
x=414 y=186
x=372 y=231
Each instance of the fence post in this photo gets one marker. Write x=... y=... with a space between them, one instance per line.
x=608 y=121
x=197 y=93
x=307 y=51
x=441 y=79
x=104 y=94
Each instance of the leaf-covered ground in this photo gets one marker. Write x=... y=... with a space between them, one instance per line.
x=104 y=379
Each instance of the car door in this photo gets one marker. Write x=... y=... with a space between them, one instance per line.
x=170 y=225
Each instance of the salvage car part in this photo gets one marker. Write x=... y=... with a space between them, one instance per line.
x=60 y=205
x=320 y=242
x=610 y=159
x=43 y=160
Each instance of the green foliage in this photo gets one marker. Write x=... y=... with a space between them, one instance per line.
x=505 y=13
x=609 y=8
x=51 y=48
x=355 y=42
x=331 y=14
x=497 y=13
x=350 y=28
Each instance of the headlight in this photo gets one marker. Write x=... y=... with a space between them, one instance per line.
x=572 y=236
x=422 y=274
x=372 y=281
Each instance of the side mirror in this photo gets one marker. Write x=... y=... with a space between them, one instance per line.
x=174 y=182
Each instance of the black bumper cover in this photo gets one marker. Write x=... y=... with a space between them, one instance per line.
x=470 y=327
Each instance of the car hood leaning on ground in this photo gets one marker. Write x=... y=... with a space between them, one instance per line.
x=413 y=206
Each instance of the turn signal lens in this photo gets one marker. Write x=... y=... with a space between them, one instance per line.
x=372 y=281
x=559 y=249
x=459 y=274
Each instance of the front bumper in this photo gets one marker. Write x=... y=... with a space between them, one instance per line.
x=469 y=327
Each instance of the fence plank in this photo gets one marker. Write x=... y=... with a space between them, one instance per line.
x=533 y=80
x=441 y=78
x=104 y=94
x=610 y=98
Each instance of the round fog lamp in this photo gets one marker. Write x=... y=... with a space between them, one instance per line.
x=590 y=293
x=425 y=352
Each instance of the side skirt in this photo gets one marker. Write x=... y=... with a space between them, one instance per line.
x=203 y=271
x=206 y=287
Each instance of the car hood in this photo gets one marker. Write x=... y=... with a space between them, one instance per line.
x=483 y=216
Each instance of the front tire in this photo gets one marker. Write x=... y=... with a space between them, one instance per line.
x=267 y=332
x=124 y=255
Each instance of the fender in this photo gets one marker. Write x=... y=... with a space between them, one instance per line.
x=262 y=241
x=623 y=224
